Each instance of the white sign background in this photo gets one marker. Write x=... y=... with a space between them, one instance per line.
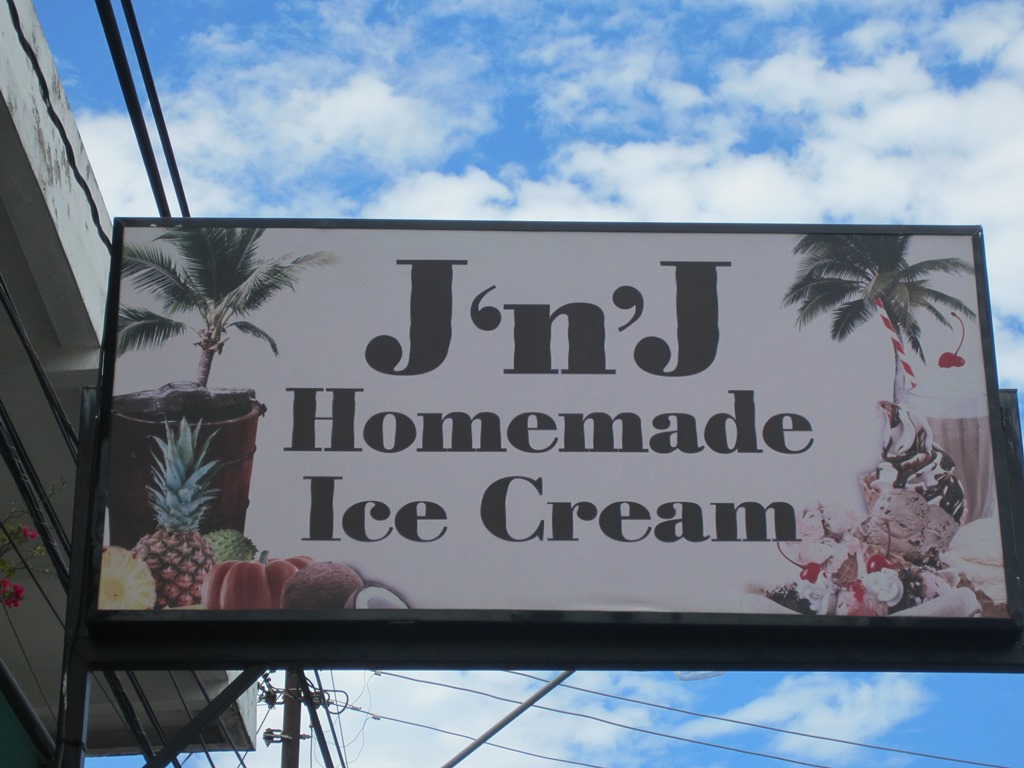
x=323 y=327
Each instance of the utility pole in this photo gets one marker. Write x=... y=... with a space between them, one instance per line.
x=292 y=721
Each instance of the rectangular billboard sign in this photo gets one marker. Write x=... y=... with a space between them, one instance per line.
x=341 y=420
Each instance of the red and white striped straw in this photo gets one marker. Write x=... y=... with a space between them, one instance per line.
x=897 y=344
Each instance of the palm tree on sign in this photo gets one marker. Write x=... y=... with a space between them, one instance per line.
x=217 y=275
x=856 y=276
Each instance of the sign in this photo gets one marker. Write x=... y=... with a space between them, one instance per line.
x=776 y=422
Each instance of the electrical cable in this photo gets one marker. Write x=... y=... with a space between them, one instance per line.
x=774 y=729
x=132 y=721
x=367 y=677
x=650 y=732
x=25 y=470
x=225 y=731
x=190 y=716
x=241 y=758
x=375 y=716
x=154 y=104
x=57 y=123
x=32 y=575
x=149 y=710
x=637 y=729
x=131 y=99
x=28 y=662
x=680 y=738
x=330 y=720
x=67 y=431
x=98 y=681
x=337 y=716
x=36 y=500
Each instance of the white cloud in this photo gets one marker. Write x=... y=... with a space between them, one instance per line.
x=383 y=110
x=469 y=195
x=224 y=41
x=800 y=81
x=985 y=30
x=1010 y=351
x=120 y=173
x=595 y=86
x=861 y=709
x=875 y=37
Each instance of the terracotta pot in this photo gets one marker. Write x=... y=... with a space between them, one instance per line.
x=133 y=451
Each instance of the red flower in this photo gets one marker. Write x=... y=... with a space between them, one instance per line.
x=11 y=594
x=28 y=533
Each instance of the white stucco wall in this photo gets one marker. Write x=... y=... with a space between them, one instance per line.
x=46 y=184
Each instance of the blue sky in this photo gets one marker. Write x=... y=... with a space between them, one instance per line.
x=724 y=110
x=866 y=111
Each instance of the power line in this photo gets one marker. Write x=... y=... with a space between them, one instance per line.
x=376 y=716
x=691 y=713
x=613 y=723
x=771 y=728
x=28 y=661
x=330 y=720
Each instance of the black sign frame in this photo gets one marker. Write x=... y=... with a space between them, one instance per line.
x=452 y=639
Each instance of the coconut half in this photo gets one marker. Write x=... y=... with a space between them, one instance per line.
x=376 y=596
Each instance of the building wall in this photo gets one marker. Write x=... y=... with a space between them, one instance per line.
x=17 y=747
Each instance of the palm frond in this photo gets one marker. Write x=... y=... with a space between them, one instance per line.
x=913 y=337
x=825 y=297
x=948 y=266
x=246 y=245
x=152 y=271
x=928 y=296
x=847 y=318
x=270 y=277
x=218 y=259
x=851 y=255
x=251 y=330
x=806 y=288
x=139 y=328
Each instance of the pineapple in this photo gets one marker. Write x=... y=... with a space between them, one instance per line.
x=125 y=583
x=176 y=553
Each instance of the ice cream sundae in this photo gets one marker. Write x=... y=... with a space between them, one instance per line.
x=906 y=552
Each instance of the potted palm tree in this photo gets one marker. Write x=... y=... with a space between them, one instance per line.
x=217 y=276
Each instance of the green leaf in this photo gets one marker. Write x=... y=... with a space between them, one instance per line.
x=139 y=328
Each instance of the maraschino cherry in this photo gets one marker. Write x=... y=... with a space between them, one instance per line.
x=878 y=562
x=953 y=359
x=809 y=572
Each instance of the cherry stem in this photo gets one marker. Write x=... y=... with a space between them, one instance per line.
x=963 y=332
x=794 y=562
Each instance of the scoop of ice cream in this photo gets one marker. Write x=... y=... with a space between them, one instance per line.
x=976 y=553
x=825 y=535
x=911 y=459
x=932 y=584
x=905 y=523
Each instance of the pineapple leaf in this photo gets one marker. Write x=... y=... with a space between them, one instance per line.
x=181 y=493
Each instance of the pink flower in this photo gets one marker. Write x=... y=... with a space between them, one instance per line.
x=11 y=594
x=28 y=533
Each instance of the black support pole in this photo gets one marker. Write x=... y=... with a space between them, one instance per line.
x=72 y=719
